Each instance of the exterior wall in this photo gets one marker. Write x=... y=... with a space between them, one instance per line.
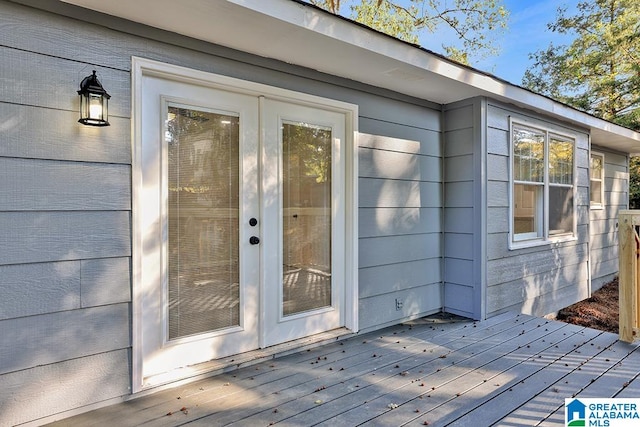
x=603 y=230
x=464 y=198
x=541 y=279
x=65 y=201
x=400 y=219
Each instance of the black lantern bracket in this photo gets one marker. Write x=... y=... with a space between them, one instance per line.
x=94 y=102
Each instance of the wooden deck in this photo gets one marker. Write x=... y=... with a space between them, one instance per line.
x=512 y=370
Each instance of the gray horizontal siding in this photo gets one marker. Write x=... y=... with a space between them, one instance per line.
x=48 y=287
x=385 y=279
x=105 y=281
x=458 y=245
x=390 y=193
x=51 y=389
x=534 y=263
x=25 y=135
x=540 y=279
x=376 y=163
x=463 y=153
x=537 y=292
x=400 y=220
x=30 y=88
x=47 y=185
x=62 y=236
x=385 y=135
x=31 y=341
x=29 y=289
x=395 y=249
x=377 y=222
x=381 y=309
x=603 y=229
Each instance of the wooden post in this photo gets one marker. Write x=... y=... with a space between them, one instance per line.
x=629 y=274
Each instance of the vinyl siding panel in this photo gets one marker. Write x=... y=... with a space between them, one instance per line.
x=388 y=193
x=538 y=279
x=45 y=185
x=400 y=220
x=52 y=389
x=385 y=279
x=105 y=281
x=63 y=236
x=603 y=230
x=41 y=340
x=62 y=138
x=382 y=308
x=378 y=222
x=463 y=199
x=394 y=249
x=31 y=289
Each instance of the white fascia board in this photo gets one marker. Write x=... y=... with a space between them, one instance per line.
x=302 y=35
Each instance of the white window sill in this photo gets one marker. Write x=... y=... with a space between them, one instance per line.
x=523 y=244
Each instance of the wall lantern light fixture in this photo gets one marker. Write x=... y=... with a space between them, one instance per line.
x=94 y=102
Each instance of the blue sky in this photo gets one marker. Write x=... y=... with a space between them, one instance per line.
x=526 y=34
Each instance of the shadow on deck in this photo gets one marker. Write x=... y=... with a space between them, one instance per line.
x=511 y=370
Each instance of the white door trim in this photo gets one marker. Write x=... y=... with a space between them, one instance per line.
x=144 y=67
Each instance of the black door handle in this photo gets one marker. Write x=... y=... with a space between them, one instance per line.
x=254 y=240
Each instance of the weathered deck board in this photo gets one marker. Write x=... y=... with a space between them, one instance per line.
x=510 y=370
x=547 y=402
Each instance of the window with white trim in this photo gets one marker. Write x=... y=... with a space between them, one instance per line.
x=596 y=181
x=542 y=179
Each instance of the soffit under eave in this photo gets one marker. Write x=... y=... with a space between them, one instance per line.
x=303 y=36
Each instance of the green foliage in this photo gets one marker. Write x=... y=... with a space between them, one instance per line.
x=477 y=23
x=599 y=72
x=634 y=183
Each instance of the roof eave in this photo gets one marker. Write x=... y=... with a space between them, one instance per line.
x=295 y=32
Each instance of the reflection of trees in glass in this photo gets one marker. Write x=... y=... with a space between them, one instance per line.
x=310 y=147
x=560 y=161
x=528 y=155
x=203 y=150
x=307 y=195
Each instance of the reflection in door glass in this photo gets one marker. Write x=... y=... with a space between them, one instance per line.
x=203 y=200
x=306 y=217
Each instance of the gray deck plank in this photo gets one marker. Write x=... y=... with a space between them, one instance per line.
x=602 y=386
x=480 y=372
x=385 y=357
x=540 y=407
x=520 y=393
x=510 y=370
x=633 y=388
x=353 y=394
x=227 y=391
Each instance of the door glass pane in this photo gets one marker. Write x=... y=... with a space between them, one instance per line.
x=203 y=270
x=306 y=217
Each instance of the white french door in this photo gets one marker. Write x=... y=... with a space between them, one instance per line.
x=241 y=218
x=303 y=212
x=200 y=287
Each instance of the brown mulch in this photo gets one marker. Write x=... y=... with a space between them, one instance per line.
x=598 y=312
